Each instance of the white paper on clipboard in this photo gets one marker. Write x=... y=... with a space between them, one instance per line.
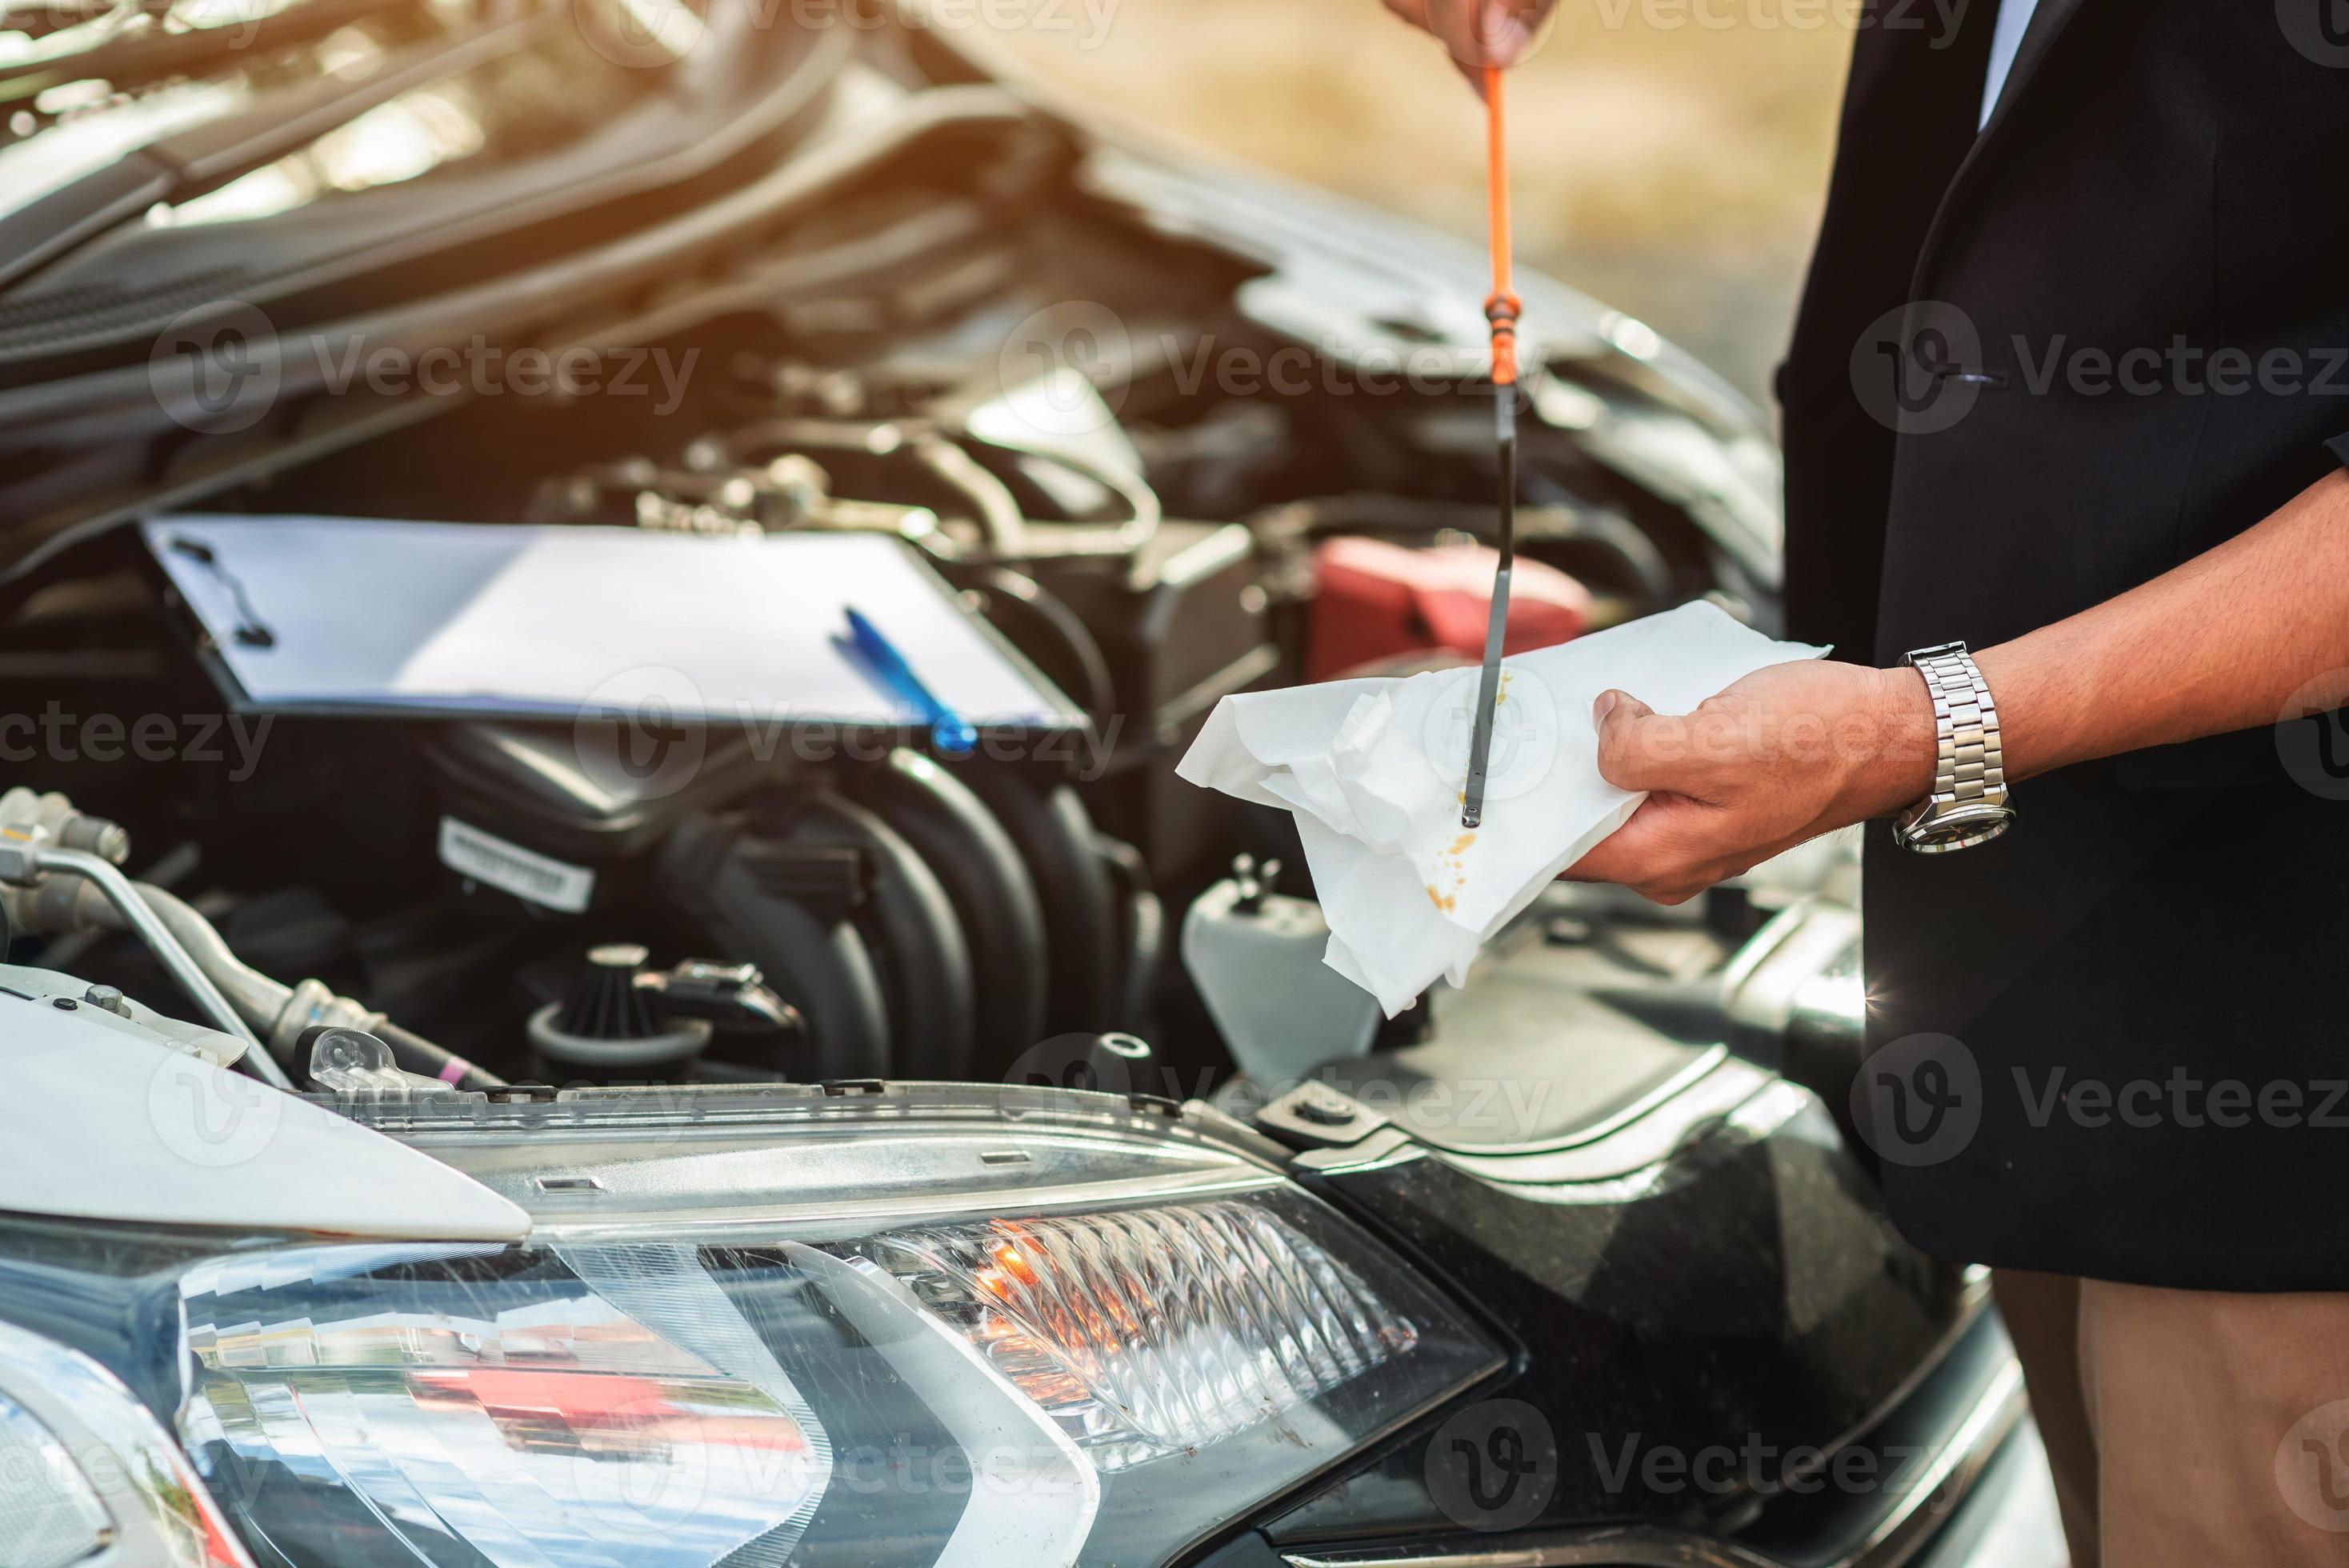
x=530 y=621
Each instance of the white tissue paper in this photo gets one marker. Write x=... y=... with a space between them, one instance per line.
x=1374 y=771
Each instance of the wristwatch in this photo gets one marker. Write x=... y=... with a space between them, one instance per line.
x=1968 y=805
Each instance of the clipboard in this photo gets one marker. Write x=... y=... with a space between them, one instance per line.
x=368 y=618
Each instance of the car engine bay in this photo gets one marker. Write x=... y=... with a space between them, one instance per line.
x=1153 y=495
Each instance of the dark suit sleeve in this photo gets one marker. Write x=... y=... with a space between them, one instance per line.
x=2339 y=447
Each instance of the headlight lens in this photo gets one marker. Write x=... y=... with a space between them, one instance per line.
x=1128 y=1341
x=50 y=1514
x=501 y=1399
x=1154 y=1330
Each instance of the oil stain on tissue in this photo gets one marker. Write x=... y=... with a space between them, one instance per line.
x=1451 y=858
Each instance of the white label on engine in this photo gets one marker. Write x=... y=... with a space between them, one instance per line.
x=525 y=874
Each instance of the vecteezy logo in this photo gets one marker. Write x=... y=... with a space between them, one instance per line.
x=1062 y=372
x=640 y=35
x=1475 y=31
x=2318 y=29
x=210 y=1117
x=217 y=368
x=1115 y=1064
x=2312 y=1467
x=642 y=735
x=640 y=1500
x=1918 y=369
x=1493 y=1466
x=1526 y=737
x=1918 y=1100
x=2312 y=737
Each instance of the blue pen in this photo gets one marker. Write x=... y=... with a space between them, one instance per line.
x=949 y=732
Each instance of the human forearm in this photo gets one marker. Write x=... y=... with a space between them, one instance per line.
x=2225 y=642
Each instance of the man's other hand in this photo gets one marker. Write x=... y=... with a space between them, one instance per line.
x=1786 y=754
x=1479 y=32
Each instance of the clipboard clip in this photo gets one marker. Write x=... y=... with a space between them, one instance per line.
x=249 y=632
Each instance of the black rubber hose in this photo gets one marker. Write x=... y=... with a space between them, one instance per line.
x=1144 y=929
x=1041 y=626
x=995 y=899
x=729 y=886
x=1055 y=835
x=412 y=1053
x=910 y=924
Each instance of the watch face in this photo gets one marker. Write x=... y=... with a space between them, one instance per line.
x=1931 y=832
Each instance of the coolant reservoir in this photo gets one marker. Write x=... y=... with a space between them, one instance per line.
x=1256 y=957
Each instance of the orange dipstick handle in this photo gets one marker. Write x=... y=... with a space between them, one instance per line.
x=1502 y=309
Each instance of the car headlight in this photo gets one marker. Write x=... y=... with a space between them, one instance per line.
x=754 y=1329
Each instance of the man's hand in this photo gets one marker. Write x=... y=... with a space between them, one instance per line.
x=1786 y=754
x=1479 y=32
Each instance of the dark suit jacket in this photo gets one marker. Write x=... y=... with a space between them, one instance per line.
x=2035 y=368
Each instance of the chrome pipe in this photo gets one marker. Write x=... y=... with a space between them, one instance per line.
x=127 y=901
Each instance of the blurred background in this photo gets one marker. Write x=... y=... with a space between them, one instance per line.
x=1671 y=158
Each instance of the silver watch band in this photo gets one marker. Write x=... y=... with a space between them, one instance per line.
x=1970 y=765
